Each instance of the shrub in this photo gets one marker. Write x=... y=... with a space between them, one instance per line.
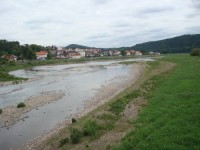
x=195 y=52
x=12 y=63
x=1 y=111
x=90 y=128
x=20 y=105
x=73 y=120
x=75 y=135
x=64 y=141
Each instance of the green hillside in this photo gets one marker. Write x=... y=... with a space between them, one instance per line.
x=73 y=46
x=179 y=44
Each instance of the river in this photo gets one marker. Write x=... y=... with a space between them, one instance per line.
x=78 y=82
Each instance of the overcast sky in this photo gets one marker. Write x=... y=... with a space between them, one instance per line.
x=99 y=23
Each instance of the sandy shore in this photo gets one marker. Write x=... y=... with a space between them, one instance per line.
x=12 y=114
x=104 y=94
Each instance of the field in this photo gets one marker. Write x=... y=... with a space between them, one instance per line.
x=171 y=120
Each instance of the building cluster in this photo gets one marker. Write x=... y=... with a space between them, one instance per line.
x=92 y=52
x=63 y=53
x=154 y=53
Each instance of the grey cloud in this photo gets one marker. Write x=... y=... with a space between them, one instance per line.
x=196 y=4
x=100 y=1
x=99 y=23
x=156 y=10
x=146 y=12
x=99 y=36
x=121 y=24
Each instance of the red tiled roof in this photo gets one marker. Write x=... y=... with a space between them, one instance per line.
x=41 y=53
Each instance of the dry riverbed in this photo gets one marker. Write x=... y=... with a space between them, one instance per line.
x=12 y=114
x=103 y=95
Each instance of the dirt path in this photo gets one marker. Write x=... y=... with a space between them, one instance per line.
x=12 y=114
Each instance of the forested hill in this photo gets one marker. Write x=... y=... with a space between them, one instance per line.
x=179 y=44
x=73 y=46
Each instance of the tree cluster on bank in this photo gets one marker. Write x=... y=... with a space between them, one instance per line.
x=22 y=51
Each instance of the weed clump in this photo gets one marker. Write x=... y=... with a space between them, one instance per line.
x=64 y=141
x=1 y=111
x=75 y=135
x=21 y=105
x=74 y=120
x=90 y=128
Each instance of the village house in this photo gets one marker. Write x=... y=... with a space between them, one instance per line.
x=92 y=52
x=72 y=54
x=60 y=54
x=10 y=57
x=138 y=53
x=81 y=52
x=116 y=53
x=104 y=53
x=128 y=53
x=42 y=55
x=154 y=53
x=151 y=53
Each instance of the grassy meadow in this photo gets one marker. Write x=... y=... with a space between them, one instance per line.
x=171 y=120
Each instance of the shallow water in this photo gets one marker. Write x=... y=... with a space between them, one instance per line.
x=79 y=83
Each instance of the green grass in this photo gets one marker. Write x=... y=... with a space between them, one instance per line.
x=64 y=141
x=76 y=135
x=90 y=128
x=118 y=106
x=171 y=120
x=1 y=111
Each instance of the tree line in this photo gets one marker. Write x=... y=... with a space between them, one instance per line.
x=22 y=51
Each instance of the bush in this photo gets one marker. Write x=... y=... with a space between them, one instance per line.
x=90 y=128
x=73 y=120
x=64 y=141
x=12 y=63
x=20 y=105
x=75 y=135
x=195 y=52
x=1 y=111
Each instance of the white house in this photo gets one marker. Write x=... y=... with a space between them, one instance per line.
x=42 y=55
x=138 y=53
x=10 y=57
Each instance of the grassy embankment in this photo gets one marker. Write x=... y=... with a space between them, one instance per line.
x=168 y=102
x=4 y=69
x=171 y=120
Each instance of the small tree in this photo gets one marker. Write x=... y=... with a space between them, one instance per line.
x=123 y=52
x=49 y=55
